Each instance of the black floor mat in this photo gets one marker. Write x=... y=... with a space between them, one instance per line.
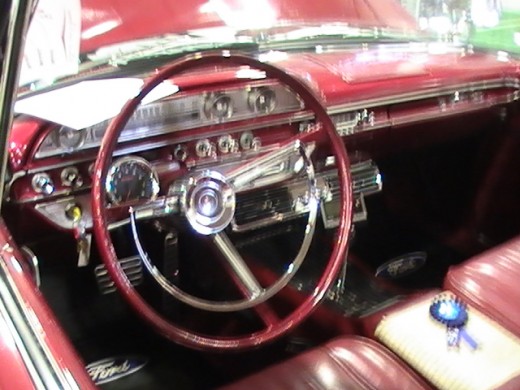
x=169 y=366
x=362 y=295
x=384 y=237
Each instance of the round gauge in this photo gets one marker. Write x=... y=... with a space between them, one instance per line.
x=70 y=138
x=131 y=178
x=262 y=100
x=218 y=106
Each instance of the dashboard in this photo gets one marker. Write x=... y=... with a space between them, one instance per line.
x=219 y=126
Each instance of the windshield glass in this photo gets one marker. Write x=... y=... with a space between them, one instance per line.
x=71 y=37
x=488 y=24
x=67 y=36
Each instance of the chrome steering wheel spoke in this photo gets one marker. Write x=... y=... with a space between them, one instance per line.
x=160 y=207
x=244 y=274
x=243 y=177
x=208 y=203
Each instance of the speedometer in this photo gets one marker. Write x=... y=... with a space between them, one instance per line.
x=130 y=179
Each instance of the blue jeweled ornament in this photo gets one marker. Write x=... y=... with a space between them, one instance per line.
x=452 y=312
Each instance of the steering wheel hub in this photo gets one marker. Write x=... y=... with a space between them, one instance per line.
x=209 y=202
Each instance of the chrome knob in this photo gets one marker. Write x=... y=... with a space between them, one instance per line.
x=180 y=153
x=226 y=144
x=70 y=177
x=42 y=183
x=203 y=148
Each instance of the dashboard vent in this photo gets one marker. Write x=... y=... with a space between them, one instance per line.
x=260 y=205
x=132 y=267
x=366 y=179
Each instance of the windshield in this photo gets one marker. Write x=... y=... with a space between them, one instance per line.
x=111 y=22
x=488 y=24
x=67 y=37
x=71 y=37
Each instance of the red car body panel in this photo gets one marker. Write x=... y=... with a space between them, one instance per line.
x=12 y=363
x=44 y=323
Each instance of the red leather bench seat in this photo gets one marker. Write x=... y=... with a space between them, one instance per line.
x=491 y=283
x=345 y=363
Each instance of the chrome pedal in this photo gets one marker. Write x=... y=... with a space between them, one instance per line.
x=131 y=266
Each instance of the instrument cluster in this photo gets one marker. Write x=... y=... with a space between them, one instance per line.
x=179 y=112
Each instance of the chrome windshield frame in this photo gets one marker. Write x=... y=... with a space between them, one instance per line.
x=19 y=14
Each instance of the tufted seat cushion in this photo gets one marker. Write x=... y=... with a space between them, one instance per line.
x=491 y=283
x=345 y=363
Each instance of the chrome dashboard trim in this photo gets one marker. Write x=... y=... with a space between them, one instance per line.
x=447 y=112
x=54 y=211
x=233 y=128
x=157 y=118
x=337 y=109
x=437 y=92
x=475 y=86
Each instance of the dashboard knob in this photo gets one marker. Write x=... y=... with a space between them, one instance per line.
x=225 y=144
x=42 y=183
x=256 y=144
x=203 y=148
x=70 y=177
x=73 y=212
x=246 y=140
x=180 y=153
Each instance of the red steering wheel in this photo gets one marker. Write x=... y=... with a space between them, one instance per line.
x=219 y=190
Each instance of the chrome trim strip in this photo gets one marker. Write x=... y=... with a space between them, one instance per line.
x=169 y=129
x=32 y=345
x=446 y=113
x=476 y=86
x=34 y=263
x=7 y=321
x=152 y=145
x=337 y=109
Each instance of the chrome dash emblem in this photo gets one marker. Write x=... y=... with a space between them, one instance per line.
x=111 y=369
